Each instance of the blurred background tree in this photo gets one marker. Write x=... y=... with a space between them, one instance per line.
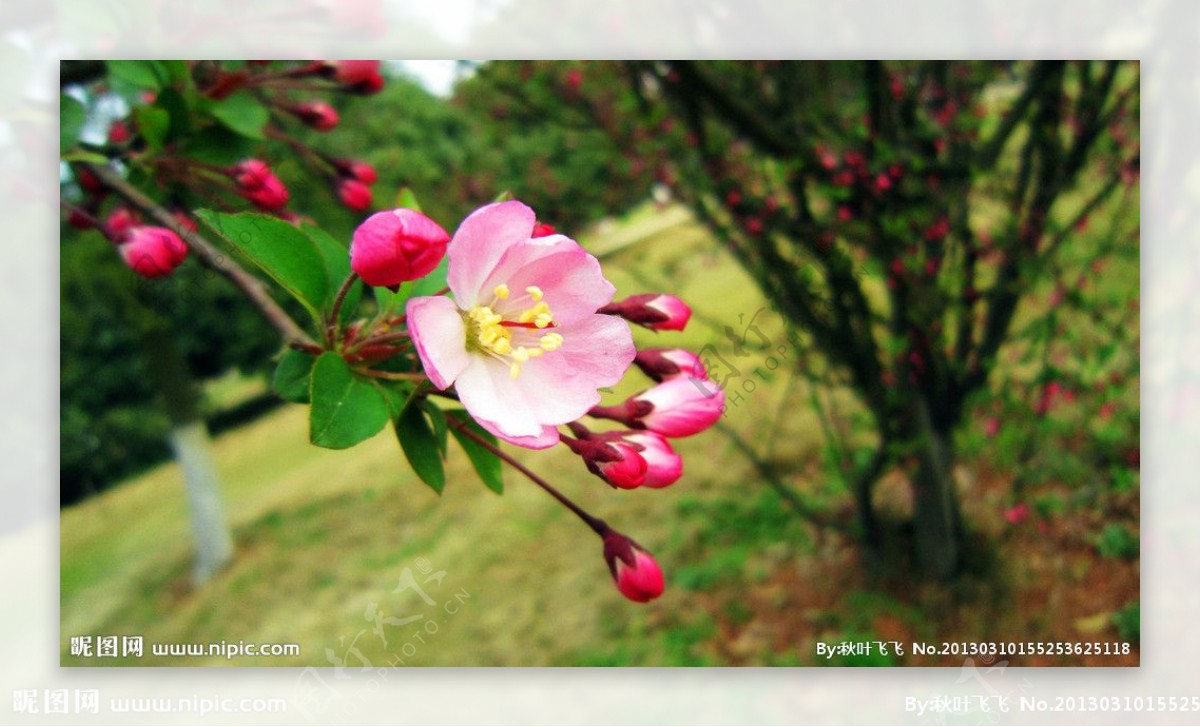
x=894 y=213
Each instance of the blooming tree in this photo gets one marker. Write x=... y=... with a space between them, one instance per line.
x=504 y=331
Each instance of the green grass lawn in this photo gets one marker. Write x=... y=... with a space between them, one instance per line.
x=324 y=538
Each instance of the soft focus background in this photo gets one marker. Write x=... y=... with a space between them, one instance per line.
x=762 y=540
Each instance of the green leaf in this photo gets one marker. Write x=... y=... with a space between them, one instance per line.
x=486 y=464
x=406 y=198
x=438 y=418
x=283 y=252
x=72 y=116
x=144 y=74
x=337 y=268
x=345 y=410
x=153 y=124
x=218 y=145
x=420 y=447
x=243 y=114
x=292 y=376
x=173 y=103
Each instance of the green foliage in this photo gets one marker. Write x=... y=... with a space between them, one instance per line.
x=487 y=465
x=1128 y=621
x=345 y=409
x=283 y=252
x=242 y=114
x=421 y=446
x=1115 y=541
x=292 y=374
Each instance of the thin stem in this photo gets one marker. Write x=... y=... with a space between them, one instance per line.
x=252 y=287
x=382 y=339
x=334 y=327
x=596 y=524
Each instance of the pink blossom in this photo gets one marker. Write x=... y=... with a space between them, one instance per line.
x=392 y=247
x=663 y=465
x=521 y=341
x=152 y=252
x=634 y=571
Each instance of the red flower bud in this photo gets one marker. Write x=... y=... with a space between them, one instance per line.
x=153 y=252
x=257 y=183
x=611 y=459
x=361 y=76
x=118 y=133
x=663 y=465
x=357 y=169
x=392 y=247
x=634 y=571
x=656 y=311
x=320 y=116
x=541 y=229
x=680 y=407
x=120 y=221
x=661 y=364
x=354 y=194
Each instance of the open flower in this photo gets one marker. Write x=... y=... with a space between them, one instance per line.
x=521 y=341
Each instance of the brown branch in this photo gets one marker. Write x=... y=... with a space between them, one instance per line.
x=251 y=286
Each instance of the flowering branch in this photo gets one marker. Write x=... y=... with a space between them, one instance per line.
x=247 y=283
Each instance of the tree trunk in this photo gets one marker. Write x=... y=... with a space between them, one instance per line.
x=936 y=525
x=190 y=442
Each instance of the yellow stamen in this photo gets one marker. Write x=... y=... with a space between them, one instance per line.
x=494 y=335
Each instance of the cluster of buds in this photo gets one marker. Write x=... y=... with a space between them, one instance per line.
x=148 y=250
x=352 y=183
x=257 y=183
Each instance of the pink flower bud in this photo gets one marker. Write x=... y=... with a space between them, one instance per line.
x=362 y=76
x=392 y=247
x=118 y=224
x=1016 y=514
x=541 y=229
x=80 y=220
x=661 y=364
x=627 y=471
x=609 y=457
x=634 y=571
x=360 y=170
x=89 y=182
x=656 y=311
x=318 y=115
x=257 y=183
x=354 y=194
x=663 y=465
x=153 y=252
x=681 y=407
x=118 y=133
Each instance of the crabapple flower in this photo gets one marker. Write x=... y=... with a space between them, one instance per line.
x=655 y=311
x=392 y=247
x=257 y=183
x=634 y=571
x=354 y=194
x=661 y=364
x=152 y=252
x=678 y=407
x=521 y=341
x=663 y=465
